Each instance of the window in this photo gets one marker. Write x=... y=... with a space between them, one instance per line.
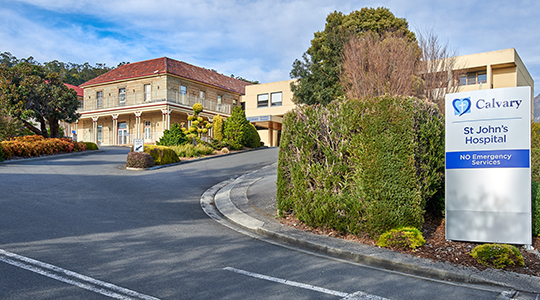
x=202 y=95
x=99 y=99
x=122 y=96
x=147 y=130
x=479 y=77
x=463 y=80
x=147 y=92
x=219 y=99
x=275 y=99
x=471 y=78
x=262 y=100
x=482 y=77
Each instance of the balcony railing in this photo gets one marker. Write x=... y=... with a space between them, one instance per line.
x=138 y=99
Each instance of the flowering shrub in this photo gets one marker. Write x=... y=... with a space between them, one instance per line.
x=35 y=145
x=139 y=160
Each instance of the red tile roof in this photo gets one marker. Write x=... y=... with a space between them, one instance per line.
x=76 y=88
x=166 y=65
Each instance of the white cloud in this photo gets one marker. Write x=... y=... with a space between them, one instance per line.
x=254 y=39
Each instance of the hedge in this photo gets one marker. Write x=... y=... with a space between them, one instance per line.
x=36 y=145
x=362 y=165
x=162 y=155
x=91 y=146
x=535 y=207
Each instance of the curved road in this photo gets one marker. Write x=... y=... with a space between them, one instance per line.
x=82 y=227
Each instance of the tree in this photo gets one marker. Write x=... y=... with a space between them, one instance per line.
x=438 y=70
x=217 y=123
x=28 y=92
x=9 y=127
x=318 y=72
x=377 y=65
x=198 y=126
x=173 y=137
x=239 y=130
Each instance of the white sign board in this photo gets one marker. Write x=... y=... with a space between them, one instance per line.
x=488 y=174
x=138 y=145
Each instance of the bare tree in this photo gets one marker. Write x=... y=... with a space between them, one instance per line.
x=389 y=64
x=375 y=65
x=439 y=69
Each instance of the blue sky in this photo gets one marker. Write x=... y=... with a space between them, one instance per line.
x=258 y=40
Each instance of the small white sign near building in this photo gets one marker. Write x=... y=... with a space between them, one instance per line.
x=488 y=174
x=138 y=145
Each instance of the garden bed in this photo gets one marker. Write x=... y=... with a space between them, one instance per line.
x=437 y=248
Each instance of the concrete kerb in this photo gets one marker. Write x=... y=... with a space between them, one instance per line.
x=53 y=156
x=367 y=255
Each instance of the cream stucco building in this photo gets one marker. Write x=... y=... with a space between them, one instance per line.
x=141 y=100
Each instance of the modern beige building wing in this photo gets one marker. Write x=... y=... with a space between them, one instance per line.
x=265 y=104
x=487 y=70
x=492 y=70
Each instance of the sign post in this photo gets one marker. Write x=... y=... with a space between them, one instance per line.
x=488 y=174
x=138 y=145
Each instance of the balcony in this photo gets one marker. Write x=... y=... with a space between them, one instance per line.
x=132 y=99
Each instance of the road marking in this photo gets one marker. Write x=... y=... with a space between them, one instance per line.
x=357 y=295
x=76 y=279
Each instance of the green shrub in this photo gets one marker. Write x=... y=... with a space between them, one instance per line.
x=1 y=153
x=253 y=139
x=535 y=209
x=162 y=155
x=232 y=144
x=91 y=146
x=217 y=144
x=497 y=255
x=188 y=150
x=238 y=131
x=362 y=165
x=535 y=152
x=173 y=137
x=217 y=122
x=197 y=108
x=139 y=160
x=404 y=237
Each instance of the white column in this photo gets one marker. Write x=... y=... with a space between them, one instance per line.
x=115 y=128
x=94 y=128
x=169 y=111
x=138 y=123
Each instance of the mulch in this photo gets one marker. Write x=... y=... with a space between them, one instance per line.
x=437 y=248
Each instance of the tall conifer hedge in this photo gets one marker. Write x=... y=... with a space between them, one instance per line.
x=362 y=165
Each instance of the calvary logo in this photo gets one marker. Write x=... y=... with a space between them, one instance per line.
x=461 y=106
